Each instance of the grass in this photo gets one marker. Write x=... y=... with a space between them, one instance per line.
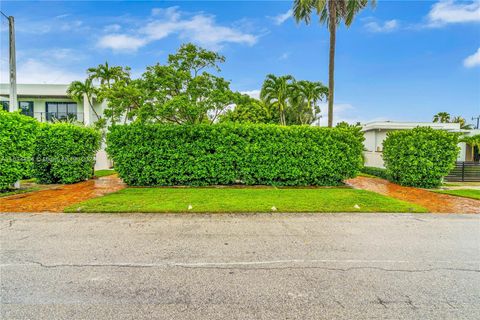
x=461 y=184
x=243 y=200
x=18 y=191
x=104 y=173
x=465 y=193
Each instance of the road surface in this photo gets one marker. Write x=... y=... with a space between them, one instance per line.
x=268 y=266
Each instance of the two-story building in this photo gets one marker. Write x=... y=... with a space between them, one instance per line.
x=46 y=102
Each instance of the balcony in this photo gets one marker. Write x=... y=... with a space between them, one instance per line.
x=51 y=116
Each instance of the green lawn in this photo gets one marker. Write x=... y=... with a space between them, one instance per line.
x=466 y=193
x=18 y=191
x=225 y=200
x=104 y=173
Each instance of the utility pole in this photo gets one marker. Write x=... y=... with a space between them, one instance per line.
x=13 y=65
x=13 y=106
x=478 y=121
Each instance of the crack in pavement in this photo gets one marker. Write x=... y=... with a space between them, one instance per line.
x=231 y=266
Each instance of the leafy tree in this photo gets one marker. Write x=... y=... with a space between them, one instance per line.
x=125 y=100
x=250 y=110
x=180 y=92
x=332 y=13
x=193 y=59
x=276 y=92
x=442 y=117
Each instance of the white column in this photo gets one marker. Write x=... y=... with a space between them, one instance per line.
x=87 y=112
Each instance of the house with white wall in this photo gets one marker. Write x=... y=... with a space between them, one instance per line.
x=376 y=132
x=46 y=102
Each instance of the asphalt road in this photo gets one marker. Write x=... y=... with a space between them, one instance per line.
x=324 y=266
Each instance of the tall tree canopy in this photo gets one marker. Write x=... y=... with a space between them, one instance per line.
x=331 y=13
x=180 y=91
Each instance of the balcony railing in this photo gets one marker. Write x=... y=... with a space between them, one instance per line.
x=51 y=116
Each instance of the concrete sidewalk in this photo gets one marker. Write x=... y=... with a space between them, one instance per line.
x=281 y=266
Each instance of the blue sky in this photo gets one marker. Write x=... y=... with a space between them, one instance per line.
x=403 y=60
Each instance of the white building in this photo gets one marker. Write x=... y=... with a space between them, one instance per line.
x=46 y=102
x=376 y=132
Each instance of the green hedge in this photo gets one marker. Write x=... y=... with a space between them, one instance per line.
x=65 y=153
x=374 y=171
x=17 y=138
x=224 y=154
x=420 y=157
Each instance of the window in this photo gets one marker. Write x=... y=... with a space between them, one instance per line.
x=26 y=107
x=61 y=110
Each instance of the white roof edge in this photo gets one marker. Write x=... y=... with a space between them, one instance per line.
x=36 y=89
x=394 y=125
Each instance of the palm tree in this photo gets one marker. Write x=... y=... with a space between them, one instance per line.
x=442 y=117
x=312 y=93
x=332 y=13
x=276 y=91
x=463 y=123
x=106 y=74
x=78 y=90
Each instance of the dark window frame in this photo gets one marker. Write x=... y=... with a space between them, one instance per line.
x=5 y=105
x=31 y=106
x=50 y=115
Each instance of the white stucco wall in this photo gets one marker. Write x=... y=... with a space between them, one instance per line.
x=373 y=145
x=373 y=159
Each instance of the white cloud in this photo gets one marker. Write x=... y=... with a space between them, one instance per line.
x=38 y=71
x=387 y=26
x=472 y=60
x=121 y=42
x=112 y=28
x=199 y=28
x=252 y=93
x=58 y=24
x=281 y=18
x=449 y=11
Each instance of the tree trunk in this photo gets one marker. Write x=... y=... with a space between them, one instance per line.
x=331 y=65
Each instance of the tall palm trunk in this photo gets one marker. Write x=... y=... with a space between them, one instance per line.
x=331 y=65
x=282 y=115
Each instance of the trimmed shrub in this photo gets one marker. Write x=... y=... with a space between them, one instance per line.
x=224 y=154
x=374 y=171
x=17 y=139
x=420 y=157
x=65 y=153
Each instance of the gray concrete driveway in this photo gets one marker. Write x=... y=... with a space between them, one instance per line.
x=324 y=266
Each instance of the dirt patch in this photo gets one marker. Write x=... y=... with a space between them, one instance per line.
x=434 y=202
x=58 y=198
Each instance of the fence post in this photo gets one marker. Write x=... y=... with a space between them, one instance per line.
x=463 y=171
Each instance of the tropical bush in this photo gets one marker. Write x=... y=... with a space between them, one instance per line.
x=65 y=153
x=17 y=139
x=374 y=171
x=420 y=157
x=224 y=154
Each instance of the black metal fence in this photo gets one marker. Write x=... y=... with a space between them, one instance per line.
x=51 y=116
x=465 y=171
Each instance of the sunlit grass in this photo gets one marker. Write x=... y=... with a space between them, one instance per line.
x=226 y=200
